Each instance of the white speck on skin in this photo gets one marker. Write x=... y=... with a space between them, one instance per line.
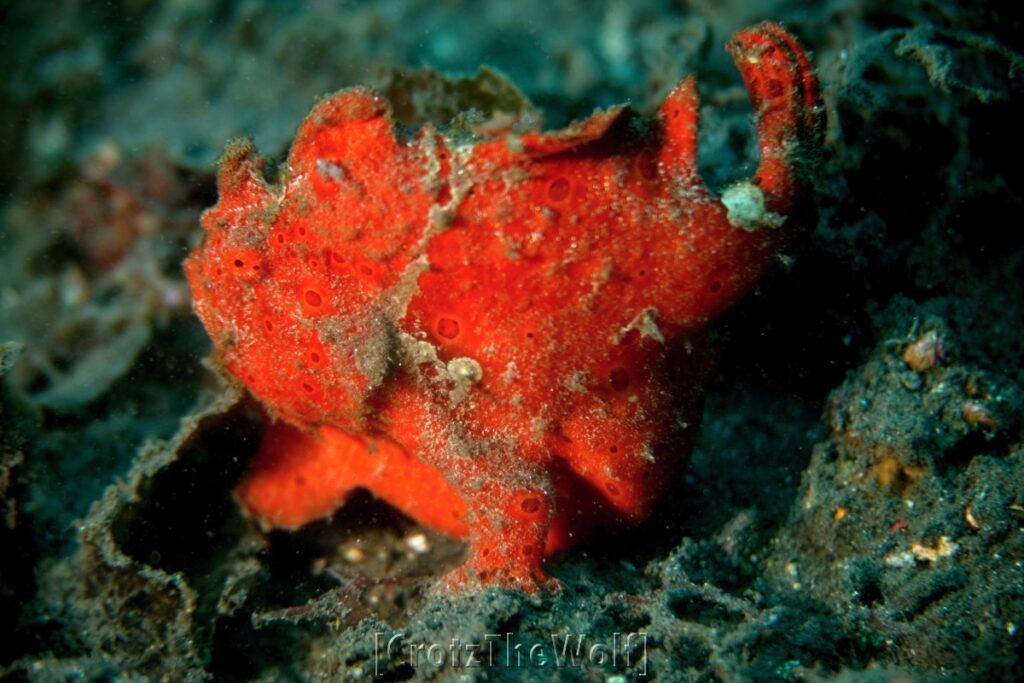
x=465 y=371
x=577 y=382
x=330 y=171
x=744 y=207
x=511 y=373
x=645 y=323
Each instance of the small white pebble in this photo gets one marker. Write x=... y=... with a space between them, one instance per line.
x=418 y=543
x=899 y=559
x=353 y=555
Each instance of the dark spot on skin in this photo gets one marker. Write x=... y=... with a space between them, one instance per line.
x=448 y=328
x=530 y=506
x=619 y=379
x=647 y=166
x=558 y=190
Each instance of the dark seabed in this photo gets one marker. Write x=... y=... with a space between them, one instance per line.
x=854 y=508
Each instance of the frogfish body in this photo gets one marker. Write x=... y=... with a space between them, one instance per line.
x=504 y=339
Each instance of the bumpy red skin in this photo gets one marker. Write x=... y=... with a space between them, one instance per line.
x=503 y=340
